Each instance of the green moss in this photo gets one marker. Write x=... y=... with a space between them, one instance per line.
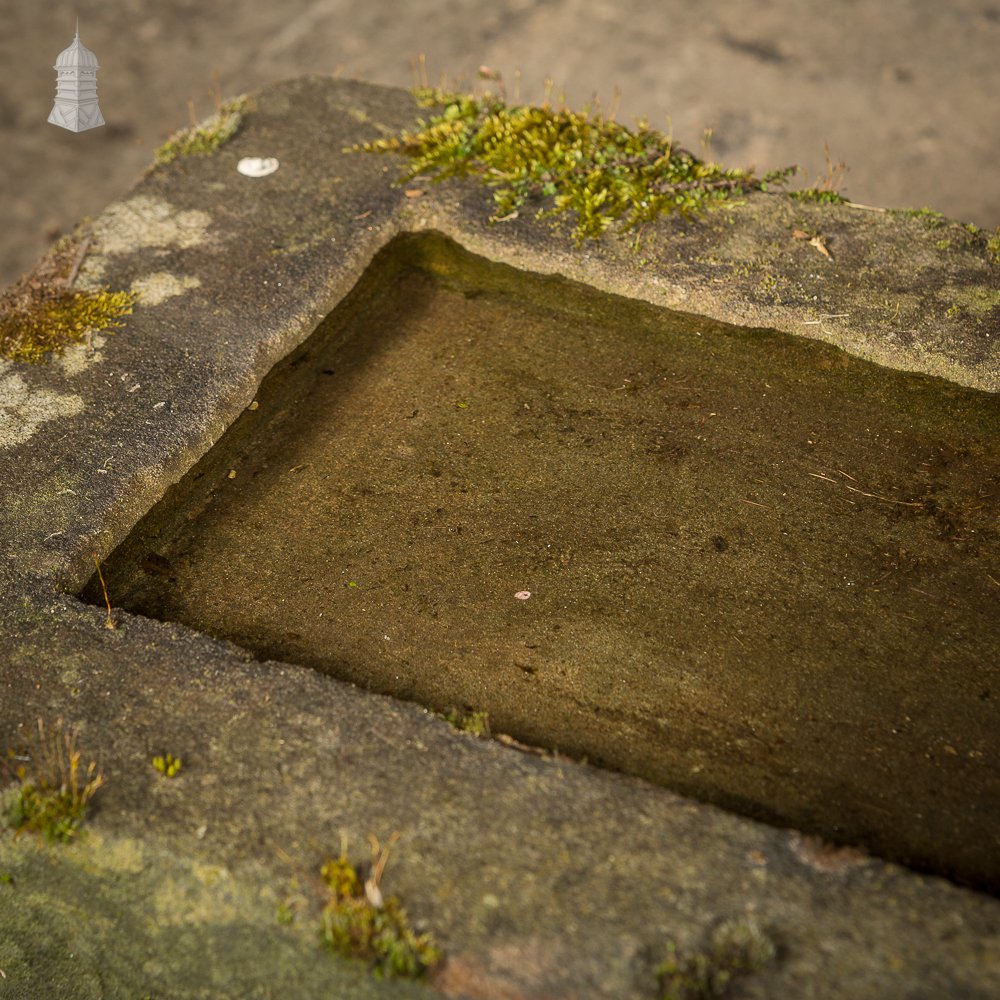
x=565 y=161
x=358 y=922
x=975 y=299
x=168 y=765
x=821 y=196
x=40 y=314
x=53 y=791
x=927 y=216
x=736 y=948
x=205 y=138
x=993 y=247
x=476 y=723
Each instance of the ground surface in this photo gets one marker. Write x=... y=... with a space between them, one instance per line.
x=904 y=93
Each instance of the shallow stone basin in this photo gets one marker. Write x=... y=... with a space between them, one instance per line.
x=745 y=566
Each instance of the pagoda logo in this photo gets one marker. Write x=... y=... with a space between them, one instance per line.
x=76 y=88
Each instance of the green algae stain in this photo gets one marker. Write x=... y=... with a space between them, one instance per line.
x=582 y=162
x=205 y=138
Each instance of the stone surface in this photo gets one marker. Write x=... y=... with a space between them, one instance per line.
x=540 y=877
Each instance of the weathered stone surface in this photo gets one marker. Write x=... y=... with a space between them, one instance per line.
x=540 y=877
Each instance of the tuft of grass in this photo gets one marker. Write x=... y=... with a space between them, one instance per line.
x=471 y=721
x=40 y=313
x=736 y=948
x=359 y=922
x=206 y=137
x=54 y=789
x=564 y=161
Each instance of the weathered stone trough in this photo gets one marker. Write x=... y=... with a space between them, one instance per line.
x=721 y=518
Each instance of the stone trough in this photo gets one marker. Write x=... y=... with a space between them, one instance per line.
x=709 y=530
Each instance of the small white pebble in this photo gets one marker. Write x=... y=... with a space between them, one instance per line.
x=256 y=166
x=523 y=595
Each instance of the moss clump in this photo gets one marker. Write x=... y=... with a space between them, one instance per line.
x=821 y=196
x=584 y=162
x=358 y=922
x=53 y=789
x=735 y=949
x=963 y=234
x=40 y=314
x=168 y=765
x=471 y=721
x=205 y=138
x=993 y=247
x=928 y=218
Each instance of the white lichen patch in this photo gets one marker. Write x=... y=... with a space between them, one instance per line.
x=75 y=358
x=24 y=409
x=141 y=222
x=155 y=288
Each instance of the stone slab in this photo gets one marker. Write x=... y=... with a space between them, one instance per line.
x=539 y=876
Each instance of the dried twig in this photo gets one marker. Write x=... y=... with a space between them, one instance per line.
x=80 y=254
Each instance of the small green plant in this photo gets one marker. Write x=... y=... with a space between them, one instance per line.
x=41 y=313
x=54 y=789
x=359 y=922
x=469 y=721
x=735 y=949
x=6 y=878
x=819 y=196
x=168 y=765
x=993 y=247
x=927 y=217
x=583 y=162
x=826 y=189
x=205 y=138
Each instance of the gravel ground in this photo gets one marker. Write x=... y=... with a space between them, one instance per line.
x=904 y=93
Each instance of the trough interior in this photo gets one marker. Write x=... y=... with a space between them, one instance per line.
x=762 y=572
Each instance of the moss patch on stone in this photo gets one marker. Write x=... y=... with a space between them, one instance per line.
x=41 y=313
x=821 y=196
x=206 y=137
x=993 y=247
x=53 y=790
x=579 y=162
x=358 y=922
x=735 y=949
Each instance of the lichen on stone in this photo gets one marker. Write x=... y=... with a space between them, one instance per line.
x=582 y=162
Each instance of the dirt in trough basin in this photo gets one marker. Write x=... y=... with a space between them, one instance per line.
x=761 y=572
